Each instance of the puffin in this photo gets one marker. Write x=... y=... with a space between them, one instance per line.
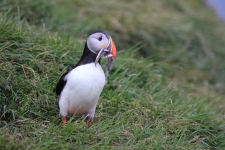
x=79 y=89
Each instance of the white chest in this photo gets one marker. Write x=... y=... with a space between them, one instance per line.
x=83 y=88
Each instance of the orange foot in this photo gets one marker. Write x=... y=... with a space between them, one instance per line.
x=90 y=123
x=64 y=121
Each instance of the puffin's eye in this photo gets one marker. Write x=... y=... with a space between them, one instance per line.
x=100 y=38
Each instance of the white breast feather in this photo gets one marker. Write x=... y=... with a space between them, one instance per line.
x=83 y=88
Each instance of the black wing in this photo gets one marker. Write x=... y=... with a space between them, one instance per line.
x=61 y=84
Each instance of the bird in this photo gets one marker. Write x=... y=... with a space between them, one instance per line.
x=79 y=89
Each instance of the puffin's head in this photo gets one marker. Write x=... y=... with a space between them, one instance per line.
x=101 y=43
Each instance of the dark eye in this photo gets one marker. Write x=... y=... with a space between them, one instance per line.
x=100 y=38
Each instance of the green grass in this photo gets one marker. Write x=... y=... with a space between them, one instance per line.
x=166 y=90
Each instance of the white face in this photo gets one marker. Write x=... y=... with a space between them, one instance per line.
x=97 y=41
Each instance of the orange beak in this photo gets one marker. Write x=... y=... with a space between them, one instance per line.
x=108 y=51
x=113 y=49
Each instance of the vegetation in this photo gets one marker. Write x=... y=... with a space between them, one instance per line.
x=166 y=90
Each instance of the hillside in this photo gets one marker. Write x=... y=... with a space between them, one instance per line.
x=166 y=91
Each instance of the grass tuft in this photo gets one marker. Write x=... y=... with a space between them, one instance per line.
x=166 y=90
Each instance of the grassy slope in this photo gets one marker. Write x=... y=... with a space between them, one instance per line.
x=166 y=90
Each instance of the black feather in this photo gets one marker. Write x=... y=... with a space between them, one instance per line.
x=61 y=84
